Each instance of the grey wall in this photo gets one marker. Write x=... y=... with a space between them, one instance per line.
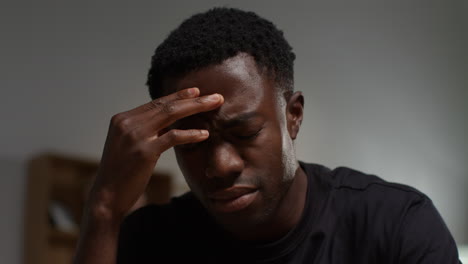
x=12 y=188
x=385 y=85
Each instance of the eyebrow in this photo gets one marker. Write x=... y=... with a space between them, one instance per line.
x=237 y=120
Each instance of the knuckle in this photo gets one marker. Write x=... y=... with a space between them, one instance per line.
x=157 y=104
x=133 y=135
x=124 y=125
x=116 y=119
x=168 y=108
x=180 y=95
x=121 y=122
x=194 y=133
x=174 y=135
x=198 y=100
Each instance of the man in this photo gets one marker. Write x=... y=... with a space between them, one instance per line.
x=222 y=90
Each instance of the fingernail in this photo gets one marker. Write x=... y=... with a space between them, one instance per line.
x=204 y=133
x=192 y=91
x=212 y=98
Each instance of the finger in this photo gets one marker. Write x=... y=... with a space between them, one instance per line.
x=156 y=103
x=178 y=137
x=136 y=118
x=173 y=111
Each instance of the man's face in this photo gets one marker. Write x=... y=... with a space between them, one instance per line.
x=244 y=169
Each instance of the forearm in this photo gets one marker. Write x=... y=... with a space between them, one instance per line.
x=98 y=240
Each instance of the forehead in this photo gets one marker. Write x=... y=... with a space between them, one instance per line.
x=238 y=79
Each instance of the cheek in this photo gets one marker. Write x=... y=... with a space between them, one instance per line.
x=279 y=156
x=266 y=154
x=288 y=158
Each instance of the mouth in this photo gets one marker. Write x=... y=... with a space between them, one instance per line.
x=232 y=199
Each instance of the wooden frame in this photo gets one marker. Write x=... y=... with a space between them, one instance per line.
x=55 y=177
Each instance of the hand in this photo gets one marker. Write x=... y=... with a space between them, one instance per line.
x=134 y=143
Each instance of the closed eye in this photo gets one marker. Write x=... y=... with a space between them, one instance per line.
x=249 y=136
x=246 y=136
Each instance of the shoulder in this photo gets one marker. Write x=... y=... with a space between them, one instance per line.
x=378 y=203
x=389 y=221
x=374 y=200
x=363 y=202
x=355 y=185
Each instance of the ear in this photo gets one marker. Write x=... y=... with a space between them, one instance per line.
x=294 y=113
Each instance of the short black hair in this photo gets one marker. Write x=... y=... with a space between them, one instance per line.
x=211 y=37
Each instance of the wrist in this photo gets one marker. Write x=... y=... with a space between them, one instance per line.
x=101 y=207
x=101 y=216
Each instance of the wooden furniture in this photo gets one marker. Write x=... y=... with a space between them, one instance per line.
x=57 y=179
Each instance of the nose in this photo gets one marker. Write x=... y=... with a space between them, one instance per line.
x=224 y=162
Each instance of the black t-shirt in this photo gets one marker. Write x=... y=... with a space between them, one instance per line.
x=349 y=217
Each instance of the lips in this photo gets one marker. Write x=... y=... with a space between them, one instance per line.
x=232 y=199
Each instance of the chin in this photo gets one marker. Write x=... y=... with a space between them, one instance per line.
x=249 y=218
